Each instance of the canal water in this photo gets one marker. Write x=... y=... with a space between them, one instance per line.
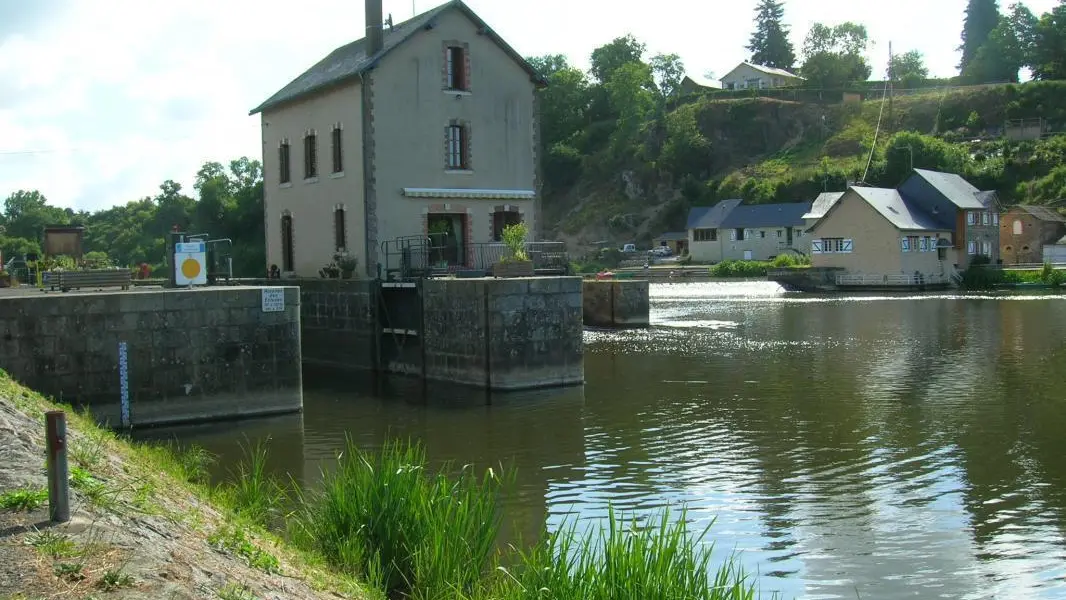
x=864 y=446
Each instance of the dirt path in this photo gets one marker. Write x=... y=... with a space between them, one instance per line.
x=136 y=530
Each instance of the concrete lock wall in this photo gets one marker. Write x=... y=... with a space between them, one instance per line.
x=504 y=334
x=609 y=303
x=191 y=355
x=339 y=323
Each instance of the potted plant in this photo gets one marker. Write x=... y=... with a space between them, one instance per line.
x=347 y=264
x=516 y=263
x=5 y=279
x=330 y=271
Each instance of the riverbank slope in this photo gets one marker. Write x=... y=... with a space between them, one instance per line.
x=140 y=527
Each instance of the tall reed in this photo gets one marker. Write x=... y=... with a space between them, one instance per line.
x=408 y=531
x=253 y=493
x=620 y=561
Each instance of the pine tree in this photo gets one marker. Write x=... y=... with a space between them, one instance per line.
x=769 y=44
x=982 y=16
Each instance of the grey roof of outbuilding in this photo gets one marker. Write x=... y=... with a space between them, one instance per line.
x=1043 y=213
x=351 y=61
x=956 y=189
x=754 y=216
x=710 y=217
x=822 y=204
x=902 y=214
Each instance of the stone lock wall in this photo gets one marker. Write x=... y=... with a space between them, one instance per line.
x=504 y=334
x=192 y=355
x=616 y=303
x=339 y=323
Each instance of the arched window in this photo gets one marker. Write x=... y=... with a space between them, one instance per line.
x=1017 y=227
x=287 y=255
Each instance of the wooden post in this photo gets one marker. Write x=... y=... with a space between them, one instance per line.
x=58 y=490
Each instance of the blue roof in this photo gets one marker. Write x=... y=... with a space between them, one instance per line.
x=903 y=214
x=754 y=216
x=710 y=217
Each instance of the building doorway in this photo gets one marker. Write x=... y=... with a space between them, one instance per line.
x=446 y=240
x=288 y=256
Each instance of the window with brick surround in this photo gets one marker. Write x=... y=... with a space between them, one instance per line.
x=284 y=165
x=455 y=73
x=310 y=155
x=338 y=151
x=288 y=255
x=457 y=147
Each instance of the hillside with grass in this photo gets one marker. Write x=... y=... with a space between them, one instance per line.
x=708 y=148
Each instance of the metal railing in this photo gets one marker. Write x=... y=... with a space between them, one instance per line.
x=414 y=257
x=892 y=280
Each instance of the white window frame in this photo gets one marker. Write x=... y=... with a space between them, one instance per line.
x=986 y=218
x=971 y=217
x=995 y=219
x=971 y=248
x=904 y=244
x=816 y=246
x=848 y=246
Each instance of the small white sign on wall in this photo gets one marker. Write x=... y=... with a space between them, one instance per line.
x=273 y=300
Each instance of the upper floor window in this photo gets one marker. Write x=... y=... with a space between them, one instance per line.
x=705 y=235
x=310 y=155
x=284 y=166
x=971 y=218
x=338 y=151
x=457 y=147
x=455 y=68
x=1017 y=227
x=986 y=218
x=995 y=219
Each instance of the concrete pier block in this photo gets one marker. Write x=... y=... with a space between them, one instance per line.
x=616 y=304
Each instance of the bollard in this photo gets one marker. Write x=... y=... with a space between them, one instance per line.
x=58 y=485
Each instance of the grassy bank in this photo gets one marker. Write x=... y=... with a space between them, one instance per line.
x=144 y=522
x=383 y=524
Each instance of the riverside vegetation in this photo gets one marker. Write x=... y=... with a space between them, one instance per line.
x=383 y=524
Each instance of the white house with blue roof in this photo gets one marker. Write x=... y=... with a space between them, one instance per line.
x=425 y=126
x=731 y=230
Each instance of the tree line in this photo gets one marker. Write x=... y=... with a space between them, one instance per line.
x=995 y=47
x=228 y=203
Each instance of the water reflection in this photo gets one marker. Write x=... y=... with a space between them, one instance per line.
x=891 y=445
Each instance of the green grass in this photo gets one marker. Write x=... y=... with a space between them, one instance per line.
x=236 y=591
x=69 y=571
x=50 y=543
x=114 y=579
x=254 y=494
x=790 y=261
x=740 y=268
x=384 y=516
x=659 y=560
x=24 y=499
x=234 y=541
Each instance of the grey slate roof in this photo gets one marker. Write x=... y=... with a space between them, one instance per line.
x=822 y=204
x=902 y=214
x=1043 y=213
x=350 y=61
x=957 y=190
x=710 y=217
x=754 y=216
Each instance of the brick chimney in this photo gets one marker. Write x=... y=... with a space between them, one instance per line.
x=375 y=34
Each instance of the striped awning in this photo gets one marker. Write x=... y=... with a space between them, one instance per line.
x=468 y=193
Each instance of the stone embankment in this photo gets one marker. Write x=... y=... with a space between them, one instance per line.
x=139 y=528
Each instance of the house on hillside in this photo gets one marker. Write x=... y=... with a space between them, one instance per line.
x=972 y=215
x=694 y=84
x=878 y=237
x=428 y=126
x=748 y=76
x=1025 y=231
x=731 y=230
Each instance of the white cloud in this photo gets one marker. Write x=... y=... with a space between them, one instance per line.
x=124 y=95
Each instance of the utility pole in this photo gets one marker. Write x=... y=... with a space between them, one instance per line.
x=891 y=86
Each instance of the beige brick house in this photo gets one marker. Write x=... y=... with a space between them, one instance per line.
x=731 y=230
x=424 y=128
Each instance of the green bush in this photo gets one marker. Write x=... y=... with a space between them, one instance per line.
x=740 y=268
x=790 y=261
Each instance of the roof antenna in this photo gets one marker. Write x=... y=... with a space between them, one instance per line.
x=414 y=11
x=388 y=22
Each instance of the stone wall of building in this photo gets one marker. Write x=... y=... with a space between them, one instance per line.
x=616 y=303
x=503 y=334
x=191 y=355
x=339 y=322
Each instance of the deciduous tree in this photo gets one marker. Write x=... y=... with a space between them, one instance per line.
x=834 y=56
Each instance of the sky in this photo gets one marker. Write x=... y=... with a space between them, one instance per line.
x=103 y=100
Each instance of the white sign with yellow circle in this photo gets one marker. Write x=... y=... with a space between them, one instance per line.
x=190 y=263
